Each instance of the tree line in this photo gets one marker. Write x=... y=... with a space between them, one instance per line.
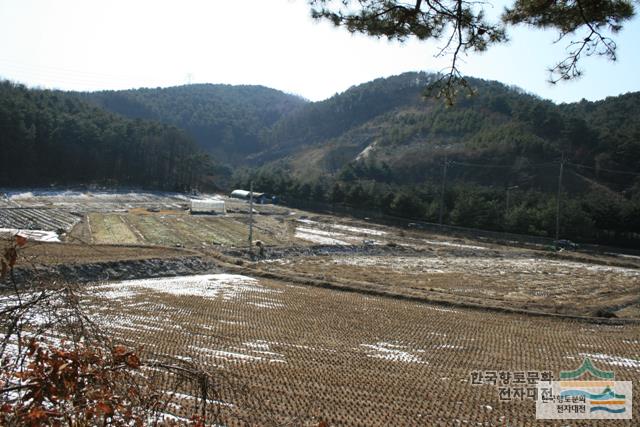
x=592 y=216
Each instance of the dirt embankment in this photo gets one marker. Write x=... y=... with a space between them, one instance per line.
x=284 y=252
x=90 y=263
x=115 y=270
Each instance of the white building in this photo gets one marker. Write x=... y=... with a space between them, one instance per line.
x=259 y=198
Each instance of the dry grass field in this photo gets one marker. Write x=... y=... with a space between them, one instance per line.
x=171 y=229
x=526 y=281
x=290 y=349
x=299 y=354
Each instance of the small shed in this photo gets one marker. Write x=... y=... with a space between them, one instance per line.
x=208 y=206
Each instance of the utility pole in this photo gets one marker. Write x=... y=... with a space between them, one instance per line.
x=251 y=219
x=558 y=198
x=444 y=180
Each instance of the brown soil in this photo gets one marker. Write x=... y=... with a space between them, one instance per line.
x=66 y=253
x=291 y=355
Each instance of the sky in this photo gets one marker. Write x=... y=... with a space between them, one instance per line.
x=120 y=44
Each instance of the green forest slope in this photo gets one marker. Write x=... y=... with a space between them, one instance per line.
x=383 y=146
x=54 y=138
x=227 y=121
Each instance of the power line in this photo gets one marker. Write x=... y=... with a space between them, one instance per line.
x=485 y=165
x=603 y=169
x=54 y=77
x=66 y=71
x=478 y=165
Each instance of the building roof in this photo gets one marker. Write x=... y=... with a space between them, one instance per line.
x=244 y=194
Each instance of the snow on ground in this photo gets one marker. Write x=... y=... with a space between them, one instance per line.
x=319 y=236
x=359 y=230
x=306 y=221
x=227 y=286
x=413 y=264
x=455 y=245
x=52 y=304
x=318 y=232
x=176 y=395
x=325 y=237
x=480 y=265
x=37 y=235
x=241 y=354
x=94 y=199
x=393 y=352
x=84 y=195
x=441 y=309
x=448 y=347
x=267 y=304
x=348 y=228
x=613 y=360
x=622 y=255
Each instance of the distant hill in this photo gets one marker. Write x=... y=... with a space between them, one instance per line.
x=389 y=121
x=52 y=137
x=381 y=145
x=227 y=121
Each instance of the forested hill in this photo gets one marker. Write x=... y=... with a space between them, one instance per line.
x=388 y=120
x=227 y=121
x=321 y=121
x=383 y=146
x=51 y=137
x=379 y=145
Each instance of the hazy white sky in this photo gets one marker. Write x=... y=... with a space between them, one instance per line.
x=118 y=44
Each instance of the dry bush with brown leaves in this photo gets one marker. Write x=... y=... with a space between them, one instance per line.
x=59 y=368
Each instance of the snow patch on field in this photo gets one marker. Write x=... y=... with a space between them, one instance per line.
x=482 y=266
x=448 y=347
x=393 y=352
x=410 y=264
x=318 y=232
x=455 y=245
x=341 y=227
x=535 y=263
x=267 y=304
x=319 y=236
x=613 y=360
x=226 y=355
x=183 y=396
x=259 y=344
x=227 y=286
x=37 y=235
x=83 y=195
x=252 y=352
x=307 y=221
x=100 y=200
x=444 y=310
x=111 y=292
x=359 y=230
x=622 y=255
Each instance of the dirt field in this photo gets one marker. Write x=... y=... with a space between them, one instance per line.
x=300 y=353
x=55 y=253
x=173 y=229
x=289 y=352
x=508 y=280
